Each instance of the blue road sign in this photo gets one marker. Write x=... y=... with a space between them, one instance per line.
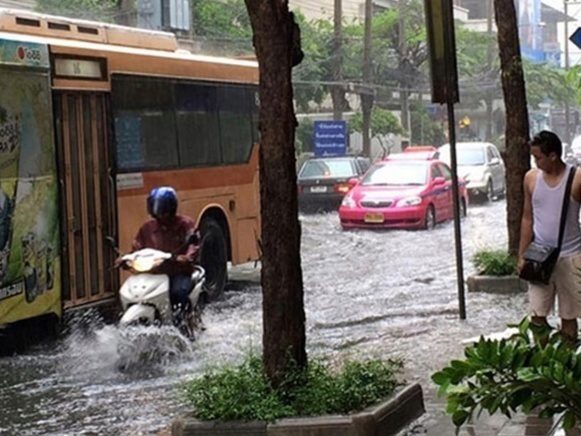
x=330 y=138
x=575 y=38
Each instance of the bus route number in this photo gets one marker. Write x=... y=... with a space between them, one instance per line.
x=29 y=54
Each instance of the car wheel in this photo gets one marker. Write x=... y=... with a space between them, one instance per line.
x=213 y=257
x=489 y=191
x=430 y=221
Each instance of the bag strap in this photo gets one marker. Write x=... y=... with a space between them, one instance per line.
x=565 y=206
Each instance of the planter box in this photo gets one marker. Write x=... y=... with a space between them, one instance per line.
x=384 y=419
x=496 y=284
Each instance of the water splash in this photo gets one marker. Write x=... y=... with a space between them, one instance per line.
x=140 y=351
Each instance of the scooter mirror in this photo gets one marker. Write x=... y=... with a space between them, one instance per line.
x=193 y=238
x=113 y=243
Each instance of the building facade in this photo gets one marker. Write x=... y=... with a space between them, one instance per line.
x=351 y=10
x=539 y=22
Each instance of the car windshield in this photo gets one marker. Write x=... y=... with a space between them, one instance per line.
x=465 y=156
x=326 y=168
x=400 y=173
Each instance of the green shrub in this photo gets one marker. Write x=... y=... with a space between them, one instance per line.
x=244 y=393
x=515 y=374
x=494 y=263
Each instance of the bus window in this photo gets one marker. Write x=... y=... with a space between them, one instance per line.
x=144 y=123
x=235 y=123
x=197 y=124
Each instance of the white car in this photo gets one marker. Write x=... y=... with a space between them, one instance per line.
x=575 y=148
x=480 y=164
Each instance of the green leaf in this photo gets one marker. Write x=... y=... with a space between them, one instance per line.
x=459 y=417
x=569 y=420
x=528 y=375
x=547 y=412
x=440 y=378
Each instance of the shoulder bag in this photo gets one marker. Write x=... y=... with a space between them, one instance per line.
x=539 y=259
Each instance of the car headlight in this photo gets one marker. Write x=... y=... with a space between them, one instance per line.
x=409 y=201
x=348 y=201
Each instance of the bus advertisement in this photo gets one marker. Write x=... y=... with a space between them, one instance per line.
x=29 y=224
x=92 y=117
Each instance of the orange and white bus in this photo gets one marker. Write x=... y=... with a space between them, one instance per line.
x=92 y=117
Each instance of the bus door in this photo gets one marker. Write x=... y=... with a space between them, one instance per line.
x=88 y=205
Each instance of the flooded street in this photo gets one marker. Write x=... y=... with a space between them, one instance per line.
x=367 y=294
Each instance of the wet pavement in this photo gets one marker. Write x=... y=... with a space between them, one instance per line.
x=367 y=294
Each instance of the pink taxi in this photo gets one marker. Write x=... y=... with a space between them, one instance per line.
x=402 y=192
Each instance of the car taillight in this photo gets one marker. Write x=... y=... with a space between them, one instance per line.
x=342 y=188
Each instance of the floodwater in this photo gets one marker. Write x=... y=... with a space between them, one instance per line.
x=367 y=294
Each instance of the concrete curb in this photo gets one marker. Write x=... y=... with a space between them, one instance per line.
x=386 y=418
x=496 y=284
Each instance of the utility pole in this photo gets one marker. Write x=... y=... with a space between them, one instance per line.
x=403 y=92
x=366 y=90
x=337 y=93
x=567 y=138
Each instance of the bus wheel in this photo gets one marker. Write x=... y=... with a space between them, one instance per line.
x=213 y=257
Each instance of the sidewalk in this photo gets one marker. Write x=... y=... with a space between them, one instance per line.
x=436 y=422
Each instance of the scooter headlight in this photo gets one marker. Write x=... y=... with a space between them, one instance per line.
x=144 y=264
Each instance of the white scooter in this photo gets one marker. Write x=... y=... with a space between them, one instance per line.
x=145 y=296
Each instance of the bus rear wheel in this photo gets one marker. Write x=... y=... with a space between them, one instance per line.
x=214 y=257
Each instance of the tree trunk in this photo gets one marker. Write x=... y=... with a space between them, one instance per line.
x=366 y=108
x=366 y=96
x=517 y=156
x=128 y=13
x=282 y=282
x=403 y=81
x=488 y=102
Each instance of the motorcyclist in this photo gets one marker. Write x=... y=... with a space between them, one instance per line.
x=170 y=232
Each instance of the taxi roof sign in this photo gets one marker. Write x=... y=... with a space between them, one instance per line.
x=415 y=155
x=420 y=148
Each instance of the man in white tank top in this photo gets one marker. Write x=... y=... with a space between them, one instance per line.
x=544 y=189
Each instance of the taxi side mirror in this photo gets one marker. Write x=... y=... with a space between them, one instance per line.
x=439 y=181
x=353 y=181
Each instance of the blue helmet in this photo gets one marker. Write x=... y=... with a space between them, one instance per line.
x=162 y=201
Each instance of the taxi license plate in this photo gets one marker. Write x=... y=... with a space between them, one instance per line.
x=318 y=189
x=374 y=218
